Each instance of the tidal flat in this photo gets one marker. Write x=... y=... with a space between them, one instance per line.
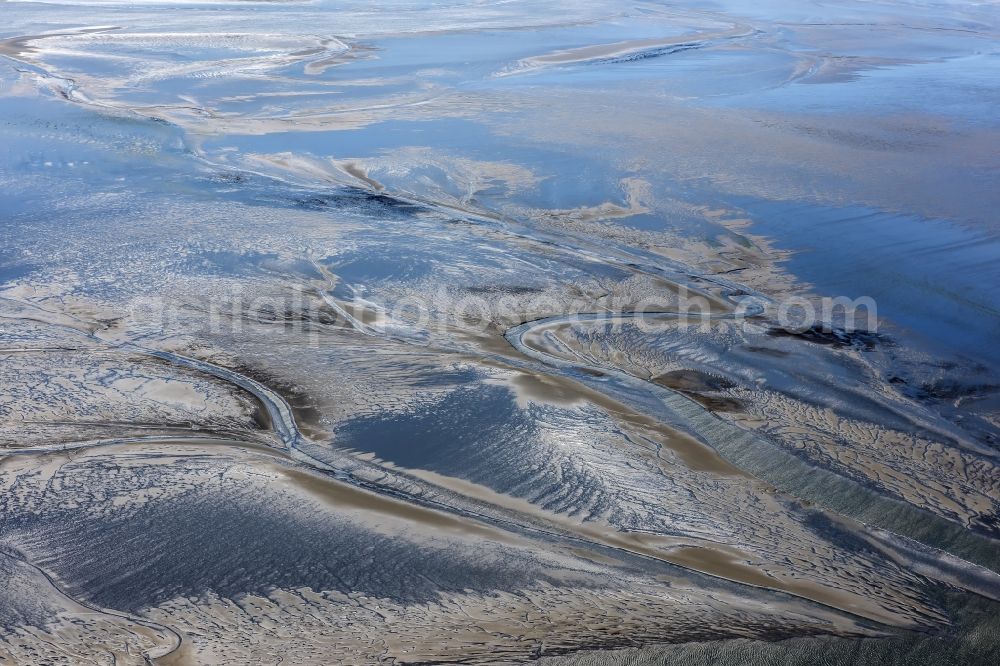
x=499 y=332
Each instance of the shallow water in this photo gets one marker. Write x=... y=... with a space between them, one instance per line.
x=327 y=327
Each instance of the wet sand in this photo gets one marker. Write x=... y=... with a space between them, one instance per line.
x=341 y=334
